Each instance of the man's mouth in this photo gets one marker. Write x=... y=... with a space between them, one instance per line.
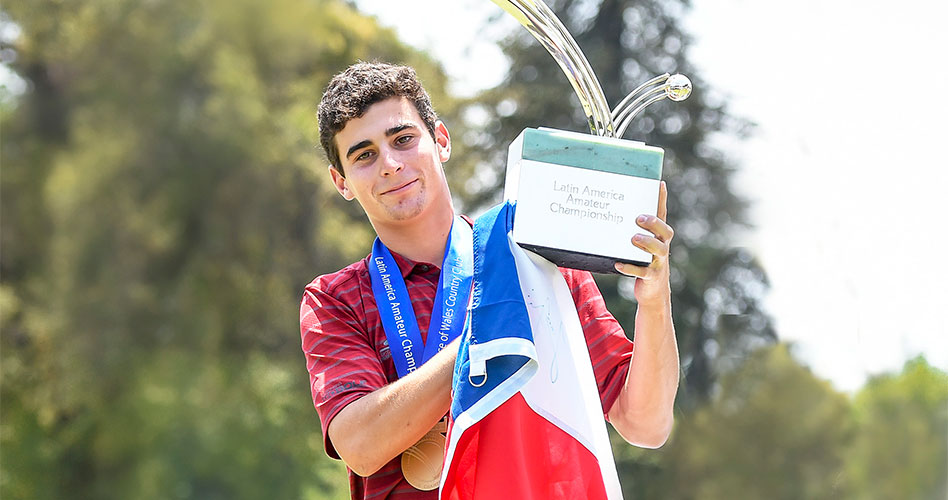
x=400 y=188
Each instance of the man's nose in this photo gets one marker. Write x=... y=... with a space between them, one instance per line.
x=391 y=163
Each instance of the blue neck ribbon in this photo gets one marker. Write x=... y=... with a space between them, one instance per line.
x=450 y=303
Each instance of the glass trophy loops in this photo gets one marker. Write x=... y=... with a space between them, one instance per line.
x=577 y=195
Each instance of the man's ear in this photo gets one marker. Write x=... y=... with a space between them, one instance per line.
x=339 y=181
x=443 y=140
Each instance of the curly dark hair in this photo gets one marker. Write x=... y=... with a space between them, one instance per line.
x=350 y=93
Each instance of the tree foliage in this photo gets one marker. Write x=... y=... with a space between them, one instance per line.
x=163 y=207
x=901 y=449
x=774 y=430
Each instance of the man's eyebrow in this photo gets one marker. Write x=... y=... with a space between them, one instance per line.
x=388 y=133
x=398 y=128
x=357 y=146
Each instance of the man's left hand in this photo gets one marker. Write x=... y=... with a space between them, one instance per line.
x=652 y=287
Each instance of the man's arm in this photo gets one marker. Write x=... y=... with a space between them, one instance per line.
x=642 y=413
x=379 y=426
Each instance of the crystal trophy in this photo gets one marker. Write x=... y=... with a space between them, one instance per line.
x=577 y=195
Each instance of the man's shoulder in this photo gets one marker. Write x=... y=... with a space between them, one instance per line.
x=341 y=281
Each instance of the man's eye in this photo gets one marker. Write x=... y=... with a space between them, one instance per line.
x=405 y=139
x=364 y=156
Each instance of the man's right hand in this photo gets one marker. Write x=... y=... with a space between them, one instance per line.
x=374 y=429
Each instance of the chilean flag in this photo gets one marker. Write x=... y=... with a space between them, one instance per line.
x=526 y=417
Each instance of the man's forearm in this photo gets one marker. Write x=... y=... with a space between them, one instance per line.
x=376 y=428
x=643 y=411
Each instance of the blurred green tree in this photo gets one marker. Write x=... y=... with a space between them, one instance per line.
x=772 y=430
x=717 y=287
x=162 y=209
x=900 y=449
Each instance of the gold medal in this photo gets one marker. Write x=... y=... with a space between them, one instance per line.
x=422 y=463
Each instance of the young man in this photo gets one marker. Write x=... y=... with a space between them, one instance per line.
x=386 y=149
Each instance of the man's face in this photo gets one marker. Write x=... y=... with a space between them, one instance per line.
x=392 y=164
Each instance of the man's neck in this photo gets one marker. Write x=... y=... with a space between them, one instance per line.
x=419 y=240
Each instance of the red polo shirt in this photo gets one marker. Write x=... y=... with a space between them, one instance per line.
x=347 y=353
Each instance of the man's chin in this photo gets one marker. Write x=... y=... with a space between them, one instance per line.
x=406 y=212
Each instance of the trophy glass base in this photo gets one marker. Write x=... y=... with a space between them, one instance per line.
x=577 y=260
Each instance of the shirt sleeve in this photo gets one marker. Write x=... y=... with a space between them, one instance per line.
x=609 y=349
x=342 y=363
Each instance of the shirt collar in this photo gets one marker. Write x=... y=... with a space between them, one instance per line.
x=406 y=266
